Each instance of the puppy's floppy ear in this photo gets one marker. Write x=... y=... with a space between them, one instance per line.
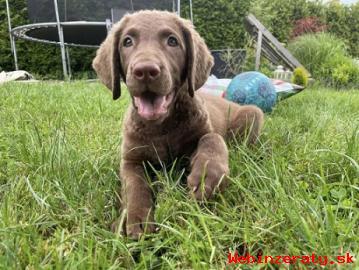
x=199 y=60
x=107 y=62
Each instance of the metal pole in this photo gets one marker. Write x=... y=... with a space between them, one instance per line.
x=109 y=23
x=12 y=39
x=61 y=39
x=179 y=7
x=15 y=53
x=68 y=62
x=65 y=6
x=259 y=48
x=190 y=10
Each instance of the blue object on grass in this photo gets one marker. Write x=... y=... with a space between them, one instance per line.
x=252 y=88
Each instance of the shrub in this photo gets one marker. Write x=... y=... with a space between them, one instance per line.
x=219 y=22
x=343 y=22
x=353 y=34
x=307 y=25
x=312 y=50
x=275 y=16
x=340 y=77
x=326 y=58
x=345 y=74
x=337 y=68
x=300 y=76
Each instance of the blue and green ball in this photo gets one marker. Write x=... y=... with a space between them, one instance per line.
x=252 y=88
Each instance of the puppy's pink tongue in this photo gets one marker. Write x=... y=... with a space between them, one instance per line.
x=150 y=109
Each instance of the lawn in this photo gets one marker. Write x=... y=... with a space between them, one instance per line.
x=296 y=193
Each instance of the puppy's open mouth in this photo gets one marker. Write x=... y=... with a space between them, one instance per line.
x=151 y=106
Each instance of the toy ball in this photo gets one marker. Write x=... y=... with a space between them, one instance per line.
x=252 y=88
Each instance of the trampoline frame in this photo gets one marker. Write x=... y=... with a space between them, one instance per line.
x=20 y=32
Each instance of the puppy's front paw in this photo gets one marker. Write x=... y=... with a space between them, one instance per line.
x=138 y=222
x=205 y=177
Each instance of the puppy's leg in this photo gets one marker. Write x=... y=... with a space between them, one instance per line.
x=137 y=199
x=209 y=166
x=246 y=122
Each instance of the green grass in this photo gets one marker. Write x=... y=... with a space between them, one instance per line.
x=295 y=193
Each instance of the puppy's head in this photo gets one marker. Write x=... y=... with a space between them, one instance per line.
x=156 y=53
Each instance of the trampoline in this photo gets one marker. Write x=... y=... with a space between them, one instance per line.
x=85 y=23
x=82 y=23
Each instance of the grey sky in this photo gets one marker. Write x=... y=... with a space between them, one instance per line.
x=349 y=1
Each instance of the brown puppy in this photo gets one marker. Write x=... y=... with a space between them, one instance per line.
x=163 y=60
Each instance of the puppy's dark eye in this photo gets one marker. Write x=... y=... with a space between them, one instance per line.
x=172 y=41
x=127 y=42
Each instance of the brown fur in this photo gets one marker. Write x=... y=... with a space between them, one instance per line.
x=195 y=125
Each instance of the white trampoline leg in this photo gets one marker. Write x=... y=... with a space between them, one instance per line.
x=14 y=52
x=12 y=38
x=191 y=10
x=63 y=53
x=61 y=40
x=179 y=7
x=68 y=60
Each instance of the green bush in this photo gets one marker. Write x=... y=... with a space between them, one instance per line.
x=352 y=36
x=219 y=22
x=345 y=74
x=300 y=76
x=326 y=58
x=340 y=77
x=278 y=16
x=313 y=50
x=343 y=22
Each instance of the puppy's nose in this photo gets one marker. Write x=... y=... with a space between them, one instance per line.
x=146 y=71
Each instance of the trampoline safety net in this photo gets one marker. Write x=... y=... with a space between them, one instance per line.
x=90 y=10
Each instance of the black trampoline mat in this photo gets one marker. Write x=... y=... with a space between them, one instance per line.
x=74 y=33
